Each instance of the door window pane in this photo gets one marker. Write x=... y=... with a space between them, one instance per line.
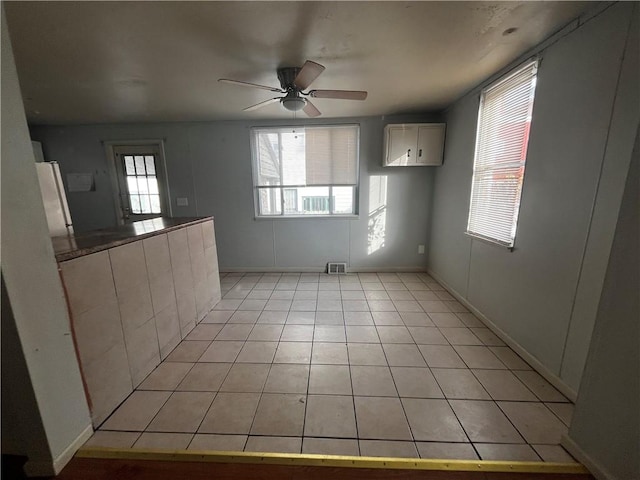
x=132 y=183
x=129 y=166
x=150 y=164
x=143 y=187
x=145 y=204
x=155 y=203
x=153 y=184
x=135 y=203
x=140 y=170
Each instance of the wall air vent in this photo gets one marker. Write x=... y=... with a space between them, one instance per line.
x=336 y=268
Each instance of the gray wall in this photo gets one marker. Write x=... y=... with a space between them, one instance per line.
x=605 y=430
x=35 y=295
x=210 y=164
x=624 y=119
x=541 y=295
x=22 y=429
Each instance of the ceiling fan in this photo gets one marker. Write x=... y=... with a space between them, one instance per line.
x=293 y=82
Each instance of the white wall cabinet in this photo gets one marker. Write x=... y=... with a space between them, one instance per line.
x=413 y=144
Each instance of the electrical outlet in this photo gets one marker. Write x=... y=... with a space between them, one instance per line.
x=421 y=249
x=182 y=201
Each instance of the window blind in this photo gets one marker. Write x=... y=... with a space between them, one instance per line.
x=309 y=156
x=330 y=154
x=504 y=121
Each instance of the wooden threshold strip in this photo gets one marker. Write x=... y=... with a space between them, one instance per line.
x=332 y=461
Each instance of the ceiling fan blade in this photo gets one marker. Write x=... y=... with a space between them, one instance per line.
x=247 y=84
x=311 y=110
x=340 y=94
x=261 y=104
x=307 y=74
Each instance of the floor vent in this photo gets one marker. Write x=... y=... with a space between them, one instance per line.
x=336 y=268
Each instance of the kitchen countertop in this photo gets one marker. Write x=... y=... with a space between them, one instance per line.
x=67 y=247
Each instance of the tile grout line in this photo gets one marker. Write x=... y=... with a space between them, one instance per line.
x=353 y=393
x=226 y=376
x=445 y=396
x=306 y=400
x=344 y=325
x=221 y=383
x=462 y=426
x=413 y=438
x=262 y=392
x=233 y=364
x=526 y=442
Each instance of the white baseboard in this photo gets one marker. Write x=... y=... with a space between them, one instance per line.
x=548 y=375
x=52 y=468
x=273 y=269
x=594 y=468
x=323 y=269
x=387 y=269
x=61 y=460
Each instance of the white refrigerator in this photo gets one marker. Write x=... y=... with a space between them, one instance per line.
x=54 y=199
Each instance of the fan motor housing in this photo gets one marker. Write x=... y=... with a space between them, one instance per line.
x=287 y=76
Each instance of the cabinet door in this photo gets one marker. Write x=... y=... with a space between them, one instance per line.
x=430 y=144
x=401 y=146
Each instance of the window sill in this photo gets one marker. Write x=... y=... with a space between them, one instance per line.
x=489 y=241
x=306 y=217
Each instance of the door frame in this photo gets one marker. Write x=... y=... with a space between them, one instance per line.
x=163 y=180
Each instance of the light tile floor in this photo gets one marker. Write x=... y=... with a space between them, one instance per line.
x=364 y=364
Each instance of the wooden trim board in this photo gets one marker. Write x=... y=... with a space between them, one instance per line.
x=332 y=461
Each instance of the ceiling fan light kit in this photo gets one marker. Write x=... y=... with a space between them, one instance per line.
x=293 y=82
x=293 y=104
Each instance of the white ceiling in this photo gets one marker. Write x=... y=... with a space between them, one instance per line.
x=104 y=62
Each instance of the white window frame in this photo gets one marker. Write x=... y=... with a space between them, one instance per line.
x=283 y=187
x=474 y=229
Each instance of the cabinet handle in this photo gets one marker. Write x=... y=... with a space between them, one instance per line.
x=409 y=153
x=420 y=152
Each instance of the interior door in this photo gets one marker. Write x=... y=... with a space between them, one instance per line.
x=141 y=181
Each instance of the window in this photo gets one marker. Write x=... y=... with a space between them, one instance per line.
x=142 y=188
x=142 y=183
x=305 y=171
x=504 y=121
